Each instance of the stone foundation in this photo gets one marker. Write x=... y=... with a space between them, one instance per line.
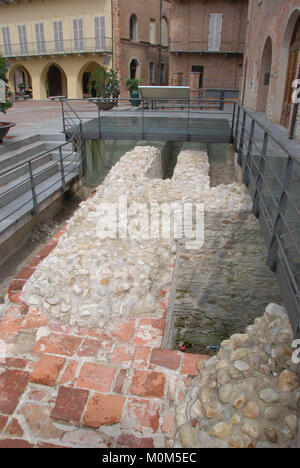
x=248 y=395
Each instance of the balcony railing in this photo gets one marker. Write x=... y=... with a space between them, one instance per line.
x=61 y=47
x=230 y=47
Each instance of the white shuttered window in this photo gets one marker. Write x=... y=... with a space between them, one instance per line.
x=23 y=39
x=100 y=33
x=78 y=35
x=40 y=38
x=6 y=40
x=58 y=36
x=215 y=31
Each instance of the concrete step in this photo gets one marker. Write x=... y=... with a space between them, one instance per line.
x=52 y=137
x=18 y=186
x=15 y=157
x=22 y=205
x=14 y=174
x=15 y=144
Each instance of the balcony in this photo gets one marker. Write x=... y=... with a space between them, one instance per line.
x=201 y=47
x=62 y=47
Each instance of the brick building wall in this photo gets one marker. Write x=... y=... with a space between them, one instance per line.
x=189 y=38
x=271 y=24
x=141 y=49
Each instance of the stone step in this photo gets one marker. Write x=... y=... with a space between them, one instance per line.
x=15 y=144
x=18 y=186
x=22 y=205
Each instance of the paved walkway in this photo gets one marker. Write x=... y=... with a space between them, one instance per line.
x=32 y=117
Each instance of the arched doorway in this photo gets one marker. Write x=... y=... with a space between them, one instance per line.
x=56 y=82
x=264 y=77
x=86 y=81
x=21 y=76
x=134 y=65
x=291 y=74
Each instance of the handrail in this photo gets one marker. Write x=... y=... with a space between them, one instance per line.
x=40 y=155
x=278 y=229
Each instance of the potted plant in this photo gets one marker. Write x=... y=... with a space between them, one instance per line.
x=22 y=87
x=132 y=84
x=7 y=103
x=106 y=85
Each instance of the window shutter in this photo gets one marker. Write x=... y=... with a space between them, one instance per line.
x=6 y=41
x=58 y=36
x=23 y=39
x=40 y=38
x=215 y=31
x=100 y=32
x=78 y=34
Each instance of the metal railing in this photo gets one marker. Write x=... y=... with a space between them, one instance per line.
x=272 y=174
x=61 y=47
x=140 y=119
x=31 y=175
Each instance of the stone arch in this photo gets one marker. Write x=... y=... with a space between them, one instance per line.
x=85 y=78
x=54 y=81
x=134 y=68
x=17 y=75
x=264 y=77
x=283 y=64
x=133 y=27
x=164 y=32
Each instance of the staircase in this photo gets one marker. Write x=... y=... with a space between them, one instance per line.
x=33 y=172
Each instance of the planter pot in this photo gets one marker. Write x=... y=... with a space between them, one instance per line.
x=4 y=129
x=106 y=104
x=134 y=101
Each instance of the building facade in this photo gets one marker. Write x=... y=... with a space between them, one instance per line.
x=53 y=46
x=141 y=32
x=207 y=40
x=271 y=61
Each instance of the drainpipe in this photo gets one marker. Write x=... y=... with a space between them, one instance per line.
x=112 y=33
x=160 y=36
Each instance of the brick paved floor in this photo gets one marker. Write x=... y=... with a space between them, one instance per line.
x=62 y=386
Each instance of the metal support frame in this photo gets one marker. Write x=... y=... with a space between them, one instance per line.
x=259 y=180
x=32 y=185
x=62 y=171
x=273 y=248
x=246 y=177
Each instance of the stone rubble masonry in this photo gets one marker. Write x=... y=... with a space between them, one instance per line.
x=111 y=385
x=248 y=395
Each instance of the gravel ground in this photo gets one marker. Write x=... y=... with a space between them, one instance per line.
x=40 y=236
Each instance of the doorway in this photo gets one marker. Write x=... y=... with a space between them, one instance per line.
x=55 y=82
x=291 y=75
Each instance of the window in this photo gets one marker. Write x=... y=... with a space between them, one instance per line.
x=215 y=31
x=133 y=28
x=162 y=73
x=23 y=39
x=6 y=41
x=40 y=38
x=100 y=32
x=152 y=31
x=78 y=35
x=151 y=72
x=58 y=36
x=164 y=33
